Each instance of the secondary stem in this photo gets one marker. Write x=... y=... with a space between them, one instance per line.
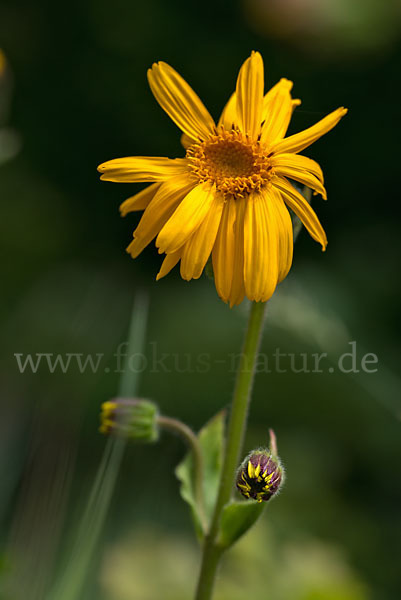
x=235 y=434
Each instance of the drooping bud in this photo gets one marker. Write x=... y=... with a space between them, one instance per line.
x=134 y=418
x=261 y=473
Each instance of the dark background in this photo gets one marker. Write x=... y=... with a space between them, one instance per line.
x=74 y=94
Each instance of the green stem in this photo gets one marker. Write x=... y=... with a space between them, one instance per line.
x=236 y=429
x=190 y=438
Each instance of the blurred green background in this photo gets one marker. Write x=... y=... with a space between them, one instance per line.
x=74 y=94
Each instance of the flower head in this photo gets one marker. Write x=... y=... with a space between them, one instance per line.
x=134 y=418
x=229 y=196
x=260 y=475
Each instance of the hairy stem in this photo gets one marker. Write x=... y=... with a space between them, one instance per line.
x=235 y=434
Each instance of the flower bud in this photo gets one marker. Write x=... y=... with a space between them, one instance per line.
x=134 y=418
x=260 y=475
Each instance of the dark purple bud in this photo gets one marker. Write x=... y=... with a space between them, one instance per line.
x=261 y=474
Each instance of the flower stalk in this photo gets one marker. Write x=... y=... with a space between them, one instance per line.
x=211 y=551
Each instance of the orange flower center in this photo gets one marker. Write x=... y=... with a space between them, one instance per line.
x=233 y=162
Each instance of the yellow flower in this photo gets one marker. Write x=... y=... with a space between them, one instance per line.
x=229 y=196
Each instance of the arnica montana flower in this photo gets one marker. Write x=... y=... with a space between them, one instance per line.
x=260 y=475
x=228 y=197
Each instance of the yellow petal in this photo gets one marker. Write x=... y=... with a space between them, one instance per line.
x=298 y=162
x=140 y=201
x=142 y=168
x=169 y=263
x=284 y=230
x=261 y=248
x=160 y=209
x=250 y=84
x=271 y=94
x=267 y=100
x=299 y=141
x=228 y=117
x=277 y=111
x=237 y=292
x=223 y=250
x=302 y=209
x=186 y=141
x=198 y=248
x=302 y=169
x=186 y=219
x=179 y=101
x=295 y=102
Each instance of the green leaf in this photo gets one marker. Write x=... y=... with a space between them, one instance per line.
x=184 y=472
x=236 y=519
x=211 y=440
